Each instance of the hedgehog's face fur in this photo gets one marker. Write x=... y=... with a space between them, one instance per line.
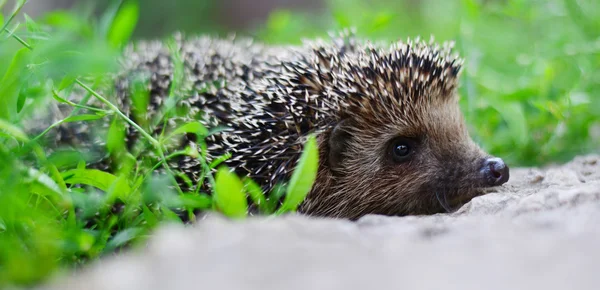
x=400 y=144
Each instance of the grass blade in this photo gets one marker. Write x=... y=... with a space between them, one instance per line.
x=13 y=131
x=192 y=127
x=229 y=196
x=96 y=178
x=122 y=238
x=19 y=6
x=303 y=177
x=257 y=195
x=83 y=117
x=11 y=82
x=124 y=23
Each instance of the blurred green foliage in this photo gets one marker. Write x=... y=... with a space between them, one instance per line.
x=530 y=92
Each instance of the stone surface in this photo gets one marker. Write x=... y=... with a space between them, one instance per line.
x=539 y=231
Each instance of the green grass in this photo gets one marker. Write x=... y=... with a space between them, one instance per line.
x=55 y=216
x=530 y=92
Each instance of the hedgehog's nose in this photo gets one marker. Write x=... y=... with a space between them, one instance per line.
x=495 y=171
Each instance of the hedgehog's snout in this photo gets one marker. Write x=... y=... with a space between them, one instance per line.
x=495 y=171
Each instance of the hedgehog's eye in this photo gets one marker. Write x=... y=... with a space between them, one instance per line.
x=401 y=149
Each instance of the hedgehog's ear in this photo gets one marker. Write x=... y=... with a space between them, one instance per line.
x=338 y=141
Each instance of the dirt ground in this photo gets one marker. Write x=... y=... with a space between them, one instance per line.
x=539 y=231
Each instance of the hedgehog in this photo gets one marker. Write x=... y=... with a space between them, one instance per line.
x=391 y=136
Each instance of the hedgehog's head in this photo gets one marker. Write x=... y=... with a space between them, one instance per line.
x=399 y=144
